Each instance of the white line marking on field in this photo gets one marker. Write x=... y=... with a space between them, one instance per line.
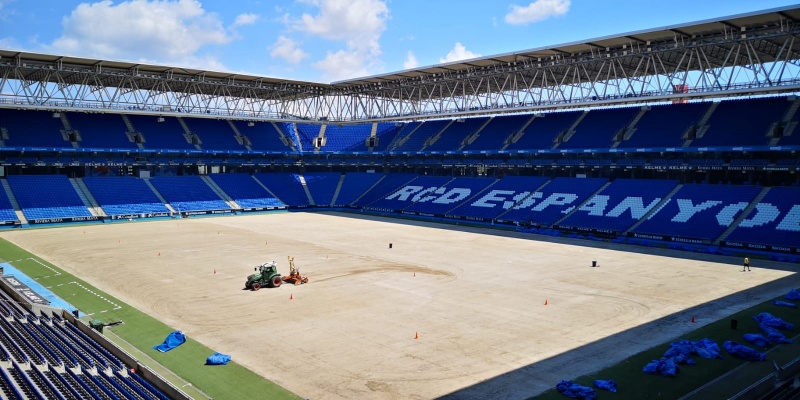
x=55 y=272
x=116 y=306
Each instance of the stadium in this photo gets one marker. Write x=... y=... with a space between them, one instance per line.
x=483 y=229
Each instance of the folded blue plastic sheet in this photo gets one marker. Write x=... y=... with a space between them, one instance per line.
x=218 y=359
x=172 y=341
x=743 y=352
x=784 y=304
x=756 y=339
x=770 y=320
x=609 y=385
x=576 y=391
x=665 y=366
x=773 y=335
x=794 y=294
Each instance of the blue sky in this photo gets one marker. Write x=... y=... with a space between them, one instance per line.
x=330 y=40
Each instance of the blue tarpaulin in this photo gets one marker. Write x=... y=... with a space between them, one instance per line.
x=773 y=335
x=665 y=366
x=575 y=391
x=742 y=351
x=794 y=294
x=784 y=303
x=172 y=341
x=768 y=319
x=218 y=359
x=609 y=385
x=756 y=339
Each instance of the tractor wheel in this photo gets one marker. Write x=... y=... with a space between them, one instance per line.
x=275 y=281
x=256 y=286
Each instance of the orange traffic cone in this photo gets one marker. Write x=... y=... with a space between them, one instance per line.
x=692 y=319
x=159 y=253
x=215 y=272
x=545 y=301
x=291 y=297
x=416 y=335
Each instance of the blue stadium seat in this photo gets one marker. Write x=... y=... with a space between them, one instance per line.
x=774 y=221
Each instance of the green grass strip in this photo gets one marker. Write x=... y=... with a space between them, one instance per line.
x=634 y=384
x=142 y=331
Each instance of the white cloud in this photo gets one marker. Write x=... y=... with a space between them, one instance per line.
x=537 y=11
x=287 y=49
x=164 y=31
x=245 y=19
x=411 y=61
x=459 y=52
x=359 y=23
x=343 y=65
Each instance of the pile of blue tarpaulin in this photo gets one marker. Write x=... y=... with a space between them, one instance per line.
x=172 y=341
x=756 y=339
x=576 y=391
x=772 y=321
x=794 y=294
x=784 y=304
x=608 y=384
x=218 y=359
x=773 y=335
x=742 y=351
x=681 y=352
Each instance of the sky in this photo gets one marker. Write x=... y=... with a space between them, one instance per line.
x=330 y=40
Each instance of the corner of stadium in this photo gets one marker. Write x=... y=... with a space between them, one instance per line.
x=523 y=225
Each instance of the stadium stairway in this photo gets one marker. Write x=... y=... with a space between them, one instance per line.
x=239 y=137
x=218 y=190
x=515 y=136
x=742 y=215
x=578 y=207
x=14 y=203
x=339 y=185
x=87 y=198
x=654 y=210
x=160 y=197
x=305 y=189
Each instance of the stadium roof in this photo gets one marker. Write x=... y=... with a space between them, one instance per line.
x=739 y=22
x=648 y=65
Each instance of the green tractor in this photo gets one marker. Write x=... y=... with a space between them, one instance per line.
x=267 y=276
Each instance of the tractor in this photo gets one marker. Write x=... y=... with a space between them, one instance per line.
x=267 y=276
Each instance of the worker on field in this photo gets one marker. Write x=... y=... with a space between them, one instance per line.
x=746 y=264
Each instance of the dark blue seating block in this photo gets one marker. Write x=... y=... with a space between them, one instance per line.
x=188 y=193
x=307 y=133
x=168 y=134
x=774 y=221
x=441 y=199
x=244 y=190
x=620 y=204
x=494 y=134
x=419 y=136
x=124 y=195
x=101 y=130
x=454 y=135
x=542 y=132
x=286 y=186
x=47 y=196
x=699 y=211
x=32 y=128
x=322 y=186
x=664 y=125
x=387 y=185
x=386 y=134
x=554 y=200
x=354 y=185
x=262 y=135
x=598 y=128
x=214 y=134
x=346 y=137
x=743 y=122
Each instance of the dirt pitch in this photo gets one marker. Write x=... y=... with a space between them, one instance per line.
x=476 y=300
